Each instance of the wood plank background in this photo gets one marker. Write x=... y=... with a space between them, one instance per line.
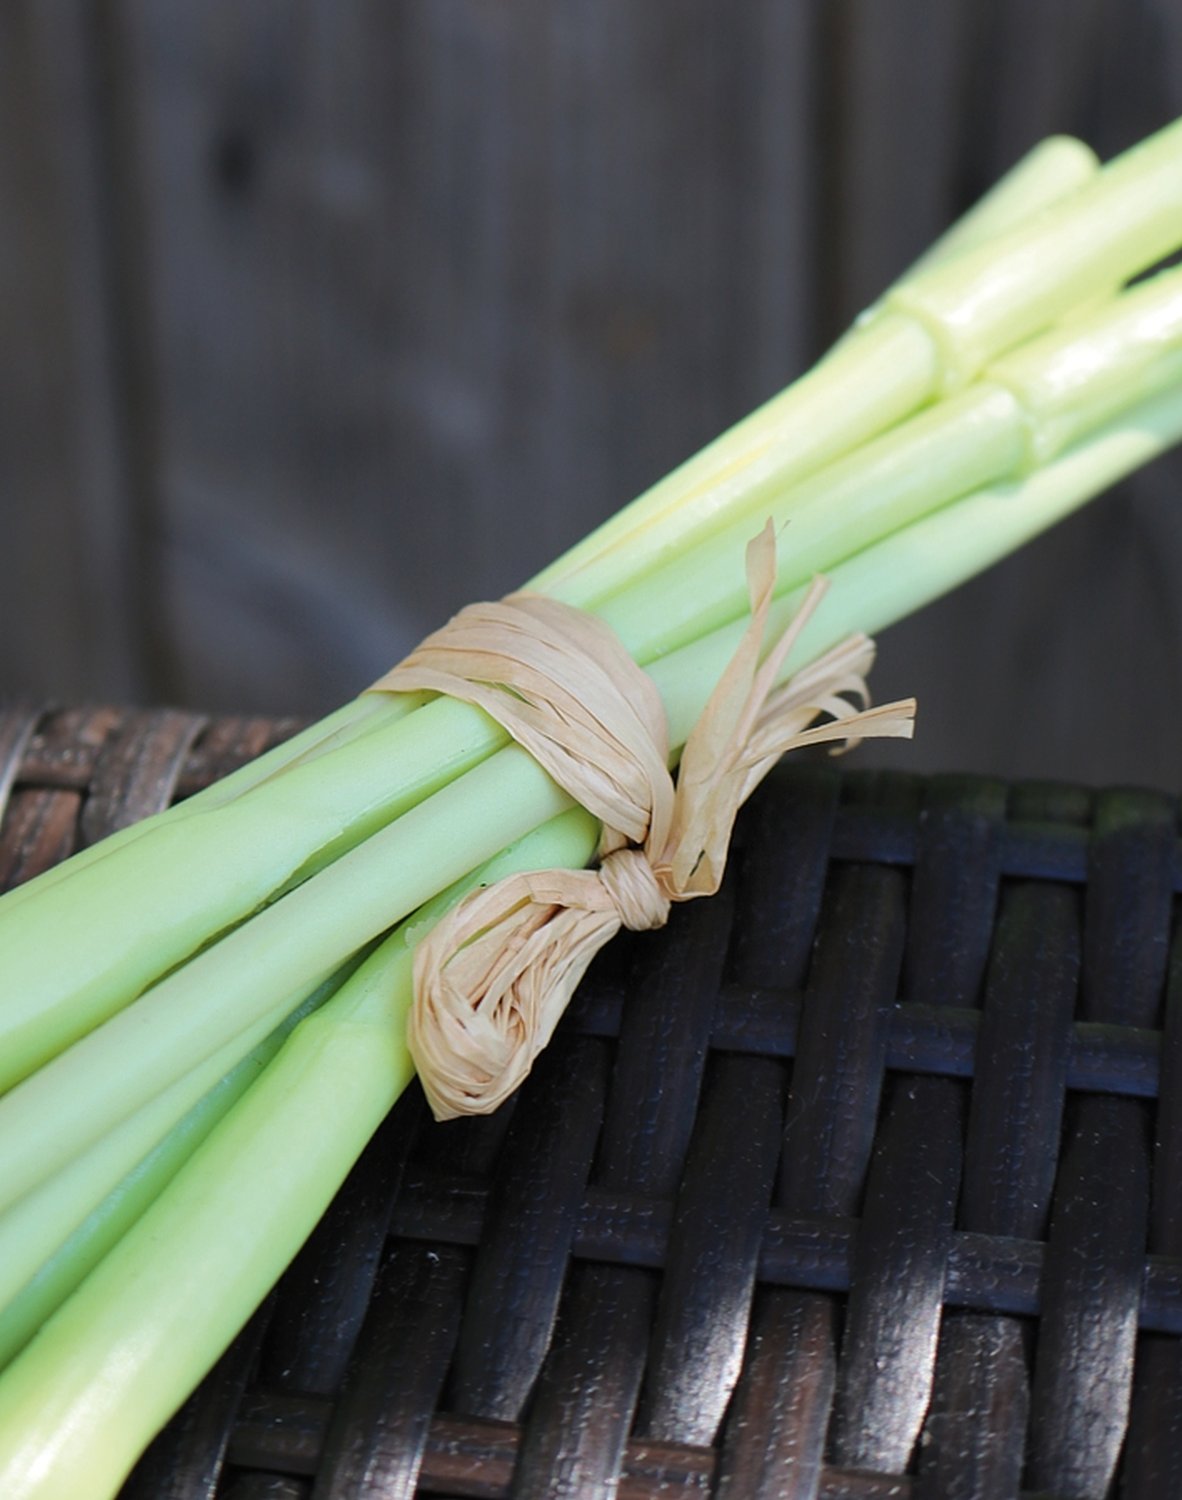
x=318 y=319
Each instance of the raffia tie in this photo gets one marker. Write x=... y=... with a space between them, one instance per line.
x=494 y=976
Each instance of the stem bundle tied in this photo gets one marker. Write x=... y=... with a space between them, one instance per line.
x=493 y=978
x=1004 y=381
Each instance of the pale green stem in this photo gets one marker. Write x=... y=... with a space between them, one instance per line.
x=1081 y=375
x=1031 y=406
x=78 y=1405
x=85 y=948
x=993 y=298
x=925 y=560
x=947 y=450
x=941 y=326
x=1049 y=172
x=261 y=970
x=936 y=555
x=58 y=1233
x=860 y=388
x=341 y=727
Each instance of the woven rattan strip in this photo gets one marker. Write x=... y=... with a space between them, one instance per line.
x=862 y=1179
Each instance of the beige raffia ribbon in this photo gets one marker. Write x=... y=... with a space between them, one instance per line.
x=494 y=976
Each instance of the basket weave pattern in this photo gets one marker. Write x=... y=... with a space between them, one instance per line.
x=859 y=1180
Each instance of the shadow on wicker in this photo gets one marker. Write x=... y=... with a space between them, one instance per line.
x=860 y=1180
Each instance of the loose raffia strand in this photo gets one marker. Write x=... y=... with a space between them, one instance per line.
x=493 y=977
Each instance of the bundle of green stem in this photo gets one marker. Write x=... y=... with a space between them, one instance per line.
x=203 y=1018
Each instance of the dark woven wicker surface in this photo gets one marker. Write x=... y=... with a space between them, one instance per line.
x=860 y=1180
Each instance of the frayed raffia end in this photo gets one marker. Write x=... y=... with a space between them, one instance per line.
x=494 y=976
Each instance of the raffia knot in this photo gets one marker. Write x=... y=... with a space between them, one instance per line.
x=494 y=976
x=634 y=890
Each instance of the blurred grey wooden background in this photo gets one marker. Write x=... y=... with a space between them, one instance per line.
x=318 y=319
